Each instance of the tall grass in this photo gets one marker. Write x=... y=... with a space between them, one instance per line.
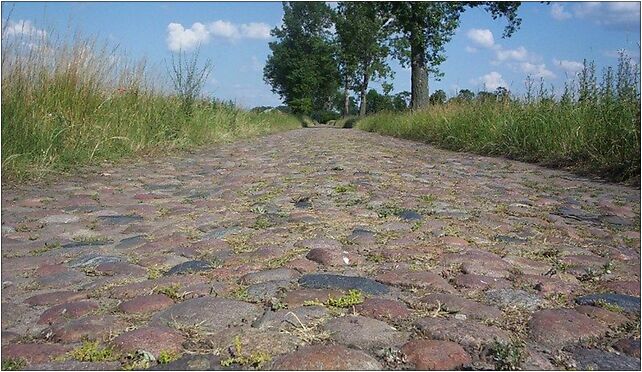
x=593 y=128
x=71 y=102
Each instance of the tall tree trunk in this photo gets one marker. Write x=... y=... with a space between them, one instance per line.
x=362 y=95
x=419 y=73
x=346 y=99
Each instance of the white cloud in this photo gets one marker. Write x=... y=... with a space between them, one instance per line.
x=613 y=15
x=255 y=30
x=470 y=49
x=481 y=37
x=491 y=81
x=559 y=13
x=570 y=67
x=519 y=54
x=224 y=29
x=180 y=38
x=536 y=70
x=23 y=27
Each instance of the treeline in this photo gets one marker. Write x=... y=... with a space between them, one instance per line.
x=324 y=59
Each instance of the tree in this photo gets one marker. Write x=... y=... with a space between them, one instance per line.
x=302 y=68
x=465 y=95
x=361 y=37
x=424 y=28
x=438 y=98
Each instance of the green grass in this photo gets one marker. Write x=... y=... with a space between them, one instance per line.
x=70 y=103
x=598 y=134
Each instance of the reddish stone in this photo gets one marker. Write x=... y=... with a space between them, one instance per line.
x=608 y=318
x=326 y=357
x=47 y=269
x=334 y=257
x=302 y=265
x=558 y=327
x=628 y=346
x=579 y=264
x=90 y=327
x=419 y=279
x=474 y=261
x=456 y=303
x=547 y=285
x=33 y=353
x=528 y=266
x=480 y=282
x=467 y=333
x=132 y=290
x=435 y=355
x=627 y=287
x=70 y=310
x=383 y=309
x=453 y=241
x=145 y=304
x=151 y=339
x=55 y=298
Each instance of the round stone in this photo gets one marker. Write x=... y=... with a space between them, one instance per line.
x=435 y=355
x=455 y=303
x=554 y=328
x=364 y=333
x=151 y=339
x=270 y=275
x=467 y=333
x=146 y=304
x=326 y=357
x=55 y=298
x=421 y=279
x=383 y=309
x=33 y=353
x=70 y=310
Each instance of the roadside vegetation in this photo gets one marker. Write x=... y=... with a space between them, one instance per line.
x=69 y=102
x=593 y=128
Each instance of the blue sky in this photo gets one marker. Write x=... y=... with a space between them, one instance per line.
x=551 y=43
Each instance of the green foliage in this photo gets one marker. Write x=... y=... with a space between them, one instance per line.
x=362 y=43
x=188 y=78
x=91 y=351
x=302 y=69
x=345 y=188
x=598 y=136
x=13 y=364
x=166 y=356
x=353 y=297
x=507 y=356
x=70 y=103
x=438 y=97
x=170 y=291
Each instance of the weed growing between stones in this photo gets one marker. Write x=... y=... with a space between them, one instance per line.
x=345 y=188
x=240 y=294
x=239 y=243
x=261 y=223
x=92 y=351
x=166 y=356
x=353 y=297
x=278 y=262
x=170 y=291
x=46 y=248
x=255 y=360
x=156 y=271
x=13 y=364
x=507 y=356
x=139 y=360
x=609 y=306
x=310 y=333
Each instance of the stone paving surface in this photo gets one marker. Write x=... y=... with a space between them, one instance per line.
x=321 y=248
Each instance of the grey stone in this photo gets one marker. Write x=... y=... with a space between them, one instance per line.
x=364 y=333
x=131 y=242
x=510 y=239
x=93 y=260
x=120 y=219
x=365 y=285
x=7 y=230
x=288 y=318
x=270 y=275
x=60 y=218
x=595 y=359
x=266 y=290
x=629 y=304
x=617 y=220
x=577 y=214
x=409 y=215
x=87 y=243
x=303 y=203
x=220 y=233
x=189 y=267
x=211 y=313
x=513 y=297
